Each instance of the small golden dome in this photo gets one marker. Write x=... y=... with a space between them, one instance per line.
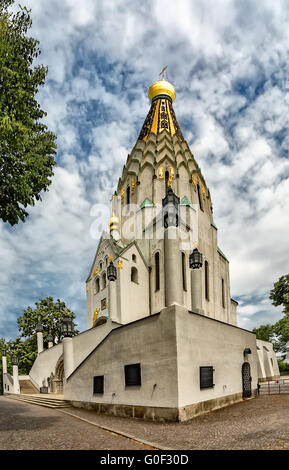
x=162 y=87
x=114 y=222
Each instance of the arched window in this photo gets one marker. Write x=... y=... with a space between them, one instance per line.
x=134 y=275
x=207 y=280
x=106 y=261
x=128 y=195
x=223 y=293
x=184 y=271
x=96 y=289
x=199 y=197
x=167 y=175
x=104 y=281
x=157 y=271
x=133 y=258
x=100 y=266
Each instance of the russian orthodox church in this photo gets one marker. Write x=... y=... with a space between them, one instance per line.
x=162 y=340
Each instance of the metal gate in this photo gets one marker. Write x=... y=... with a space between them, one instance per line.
x=246 y=380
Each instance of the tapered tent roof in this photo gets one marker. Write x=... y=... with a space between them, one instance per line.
x=161 y=115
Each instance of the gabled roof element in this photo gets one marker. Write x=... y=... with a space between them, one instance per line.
x=146 y=203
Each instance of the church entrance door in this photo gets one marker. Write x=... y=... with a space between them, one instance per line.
x=246 y=380
x=57 y=380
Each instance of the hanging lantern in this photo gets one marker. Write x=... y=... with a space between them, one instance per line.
x=111 y=272
x=196 y=259
x=171 y=209
x=14 y=360
x=39 y=328
x=67 y=327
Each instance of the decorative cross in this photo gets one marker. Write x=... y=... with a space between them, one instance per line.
x=163 y=72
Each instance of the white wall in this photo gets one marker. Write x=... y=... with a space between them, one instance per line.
x=151 y=342
x=202 y=341
x=267 y=360
x=45 y=364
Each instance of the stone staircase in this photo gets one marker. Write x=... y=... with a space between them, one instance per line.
x=27 y=387
x=42 y=400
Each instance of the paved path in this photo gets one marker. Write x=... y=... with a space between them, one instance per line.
x=261 y=423
x=26 y=426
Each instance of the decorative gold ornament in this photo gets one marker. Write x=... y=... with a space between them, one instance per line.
x=95 y=315
x=132 y=185
x=95 y=272
x=86 y=287
x=171 y=176
x=110 y=259
x=194 y=182
x=162 y=87
x=163 y=72
x=122 y=194
x=203 y=189
x=161 y=173
x=119 y=264
x=113 y=222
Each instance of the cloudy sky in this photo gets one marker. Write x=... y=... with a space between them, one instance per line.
x=229 y=63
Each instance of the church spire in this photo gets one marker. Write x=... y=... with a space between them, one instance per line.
x=161 y=115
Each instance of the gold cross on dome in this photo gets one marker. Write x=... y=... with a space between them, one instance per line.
x=163 y=72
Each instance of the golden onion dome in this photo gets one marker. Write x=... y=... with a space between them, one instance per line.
x=114 y=222
x=162 y=87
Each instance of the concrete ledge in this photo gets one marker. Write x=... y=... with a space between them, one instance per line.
x=130 y=411
x=161 y=414
x=191 y=411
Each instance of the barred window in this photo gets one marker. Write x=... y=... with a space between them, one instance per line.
x=98 y=382
x=206 y=377
x=132 y=374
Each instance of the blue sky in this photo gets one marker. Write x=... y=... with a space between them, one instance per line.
x=229 y=63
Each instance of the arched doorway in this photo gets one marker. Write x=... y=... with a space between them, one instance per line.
x=246 y=380
x=57 y=380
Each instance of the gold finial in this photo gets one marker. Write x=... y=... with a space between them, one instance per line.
x=163 y=72
x=113 y=222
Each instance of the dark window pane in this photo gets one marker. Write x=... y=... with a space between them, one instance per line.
x=206 y=377
x=98 y=384
x=200 y=197
x=132 y=374
x=157 y=272
x=207 y=280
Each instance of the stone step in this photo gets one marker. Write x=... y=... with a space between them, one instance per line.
x=48 y=402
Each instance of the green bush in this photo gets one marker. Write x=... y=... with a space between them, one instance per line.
x=283 y=366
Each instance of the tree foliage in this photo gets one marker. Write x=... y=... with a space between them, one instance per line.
x=278 y=333
x=27 y=147
x=50 y=314
x=280 y=293
x=264 y=332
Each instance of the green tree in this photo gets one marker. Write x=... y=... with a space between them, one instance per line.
x=281 y=332
x=50 y=314
x=26 y=351
x=27 y=147
x=264 y=332
x=280 y=293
